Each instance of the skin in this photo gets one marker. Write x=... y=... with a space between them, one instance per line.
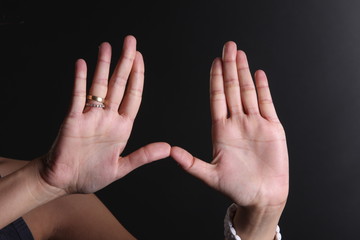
x=250 y=158
x=75 y=216
x=86 y=155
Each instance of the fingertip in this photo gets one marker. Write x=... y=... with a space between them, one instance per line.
x=260 y=75
x=229 y=51
x=241 y=55
x=130 y=36
x=173 y=150
x=241 y=60
x=80 y=68
x=130 y=39
x=104 y=45
x=176 y=150
x=139 y=54
x=105 y=48
x=216 y=61
x=230 y=44
x=179 y=154
x=182 y=157
x=139 y=57
x=138 y=65
x=159 y=149
x=193 y=165
x=164 y=147
x=216 y=66
x=80 y=61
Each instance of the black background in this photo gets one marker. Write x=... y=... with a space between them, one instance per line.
x=309 y=49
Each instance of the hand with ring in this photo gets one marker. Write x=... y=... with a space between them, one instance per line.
x=85 y=157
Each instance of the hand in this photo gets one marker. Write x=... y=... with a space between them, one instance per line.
x=250 y=159
x=85 y=156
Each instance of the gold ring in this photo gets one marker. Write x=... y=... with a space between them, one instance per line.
x=95 y=98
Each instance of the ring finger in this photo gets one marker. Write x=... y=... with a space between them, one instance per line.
x=99 y=86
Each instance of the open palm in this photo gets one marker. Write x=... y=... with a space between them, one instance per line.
x=250 y=159
x=86 y=154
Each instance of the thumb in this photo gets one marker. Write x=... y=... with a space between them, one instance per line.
x=193 y=165
x=142 y=156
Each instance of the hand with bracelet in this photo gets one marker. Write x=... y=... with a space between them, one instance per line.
x=250 y=159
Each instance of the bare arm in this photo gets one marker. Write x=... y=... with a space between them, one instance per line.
x=86 y=155
x=76 y=216
x=22 y=191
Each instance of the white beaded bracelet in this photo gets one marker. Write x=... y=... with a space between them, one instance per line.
x=229 y=230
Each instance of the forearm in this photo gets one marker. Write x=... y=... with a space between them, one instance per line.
x=22 y=191
x=257 y=223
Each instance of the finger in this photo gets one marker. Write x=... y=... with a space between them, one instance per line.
x=217 y=94
x=79 y=89
x=231 y=81
x=120 y=76
x=133 y=94
x=144 y=155
x=266 y=106
x=196 y=167
x=247 y=88
x=100 y=82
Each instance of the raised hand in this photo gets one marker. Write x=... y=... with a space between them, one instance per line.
x=86 y=154
x=250 y=159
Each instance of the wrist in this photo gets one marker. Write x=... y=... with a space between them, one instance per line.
x=42 y=191
x=256 y=223
x=24 y=190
